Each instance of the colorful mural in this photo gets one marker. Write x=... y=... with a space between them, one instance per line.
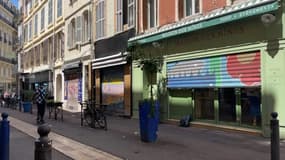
x=72 y=91
x=236 y=70
x=113 y=92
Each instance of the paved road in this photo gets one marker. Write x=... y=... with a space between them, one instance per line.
x=173 y=142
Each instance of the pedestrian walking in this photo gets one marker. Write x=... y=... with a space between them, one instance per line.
x=40 y=95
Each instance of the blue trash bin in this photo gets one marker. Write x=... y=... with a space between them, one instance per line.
x=27 y=106
x=148 y=122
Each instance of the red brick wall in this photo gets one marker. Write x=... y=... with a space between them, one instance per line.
x=208 y=5
x=166 y=12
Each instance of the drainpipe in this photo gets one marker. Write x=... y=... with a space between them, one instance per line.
x=91 y=6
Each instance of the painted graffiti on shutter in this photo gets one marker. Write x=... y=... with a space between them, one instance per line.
x=237 y=70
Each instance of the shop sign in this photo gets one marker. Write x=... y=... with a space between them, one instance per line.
x=207 y=21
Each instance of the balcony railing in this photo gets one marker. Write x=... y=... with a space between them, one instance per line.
x=8 y=60
x=11 y=9
x=7 y=21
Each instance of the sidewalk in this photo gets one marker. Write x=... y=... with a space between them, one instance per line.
x=22 y=147
x=122 y=140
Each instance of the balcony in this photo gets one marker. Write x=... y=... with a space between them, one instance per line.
x=11 y=9
x=13 y=25
x=8 y=60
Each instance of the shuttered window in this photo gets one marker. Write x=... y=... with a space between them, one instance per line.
x=78 y=28
x=236 y=70
x=119 y=16
x=49 y=11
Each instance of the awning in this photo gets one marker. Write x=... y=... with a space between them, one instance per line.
x=39 y=76
x=71 y=65
x=109 y=61
x=229 y=14
x=113 y=45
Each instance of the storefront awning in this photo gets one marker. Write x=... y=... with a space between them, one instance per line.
x=71 y=65
x=109 y=61
x=229 y=14
x=39 y=77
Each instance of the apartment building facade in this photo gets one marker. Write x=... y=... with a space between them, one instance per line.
x=222 y=61
x=43 y=43
x=78 y=51
x=8 y=34
x=114 y=24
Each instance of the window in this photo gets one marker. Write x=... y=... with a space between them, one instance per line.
x=25 y=33
x=59 y=8
x=38 y=56
x=119 y=16
x=191 y=7
x=86 y=27
x=44 y=52
x=124 y=14
x=49 y=11
x=36 y=25
x=30 y=30
x=42 y=18
x=100 y=18
x=5 y=39
x=0 y=36
x=152 y=13
x=131 y=12
x=78 y=29
x=71 y=34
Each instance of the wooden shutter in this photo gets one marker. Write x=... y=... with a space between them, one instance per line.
x=180 y=9
x=69 y=35
x=144 y=12
x=78 y=28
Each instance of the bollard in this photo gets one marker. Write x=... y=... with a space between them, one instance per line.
x=5 y=137
x=43 y=145
x=275 y=141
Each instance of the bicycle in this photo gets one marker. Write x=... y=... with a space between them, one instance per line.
x=92 y=115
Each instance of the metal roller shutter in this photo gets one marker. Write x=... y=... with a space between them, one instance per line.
x=237 y=70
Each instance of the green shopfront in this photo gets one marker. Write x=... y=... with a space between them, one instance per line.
x=225 y=71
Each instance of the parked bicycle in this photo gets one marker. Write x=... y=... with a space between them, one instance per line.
x=93 y=114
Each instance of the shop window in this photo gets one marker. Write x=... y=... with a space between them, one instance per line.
x=250 y=106
x=227 y=105
x=204 y=104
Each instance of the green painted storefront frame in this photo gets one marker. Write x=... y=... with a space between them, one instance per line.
x=266 y=48
x=206 y=23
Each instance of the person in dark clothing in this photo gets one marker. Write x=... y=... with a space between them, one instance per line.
x=40 y=100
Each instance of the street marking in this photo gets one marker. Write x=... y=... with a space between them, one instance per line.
x=67 y=146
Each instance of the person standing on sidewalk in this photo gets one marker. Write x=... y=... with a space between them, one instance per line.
x=40 y=99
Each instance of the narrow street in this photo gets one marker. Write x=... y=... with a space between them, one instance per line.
x=121 y=140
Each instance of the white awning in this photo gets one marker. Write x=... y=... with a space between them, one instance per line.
x=109 y=61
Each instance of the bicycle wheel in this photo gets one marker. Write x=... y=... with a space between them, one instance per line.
x=89 y=119
x=101 y=121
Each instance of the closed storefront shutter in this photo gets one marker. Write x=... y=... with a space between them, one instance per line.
x=236 y=70
x=112 y=89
